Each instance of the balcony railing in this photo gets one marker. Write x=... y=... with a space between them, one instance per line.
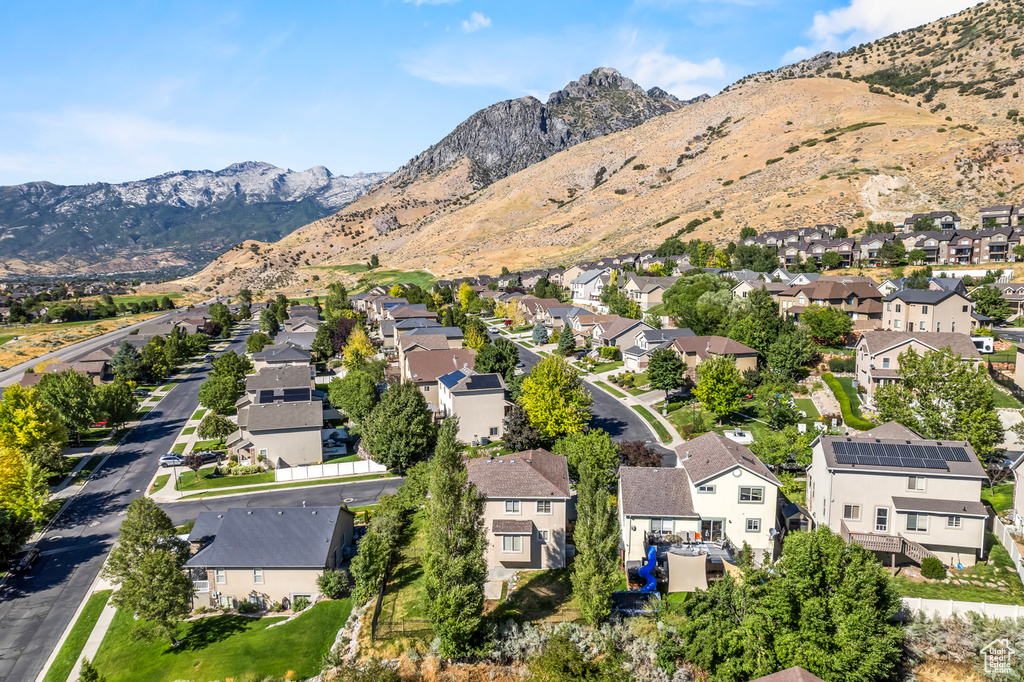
x=201 y=585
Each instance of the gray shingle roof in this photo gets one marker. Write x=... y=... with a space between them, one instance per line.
x=655 y=491
x=925 y=296
x=282 y=416
x=933 y=506
x=271 y=537
x=282 y=353
x=794 y=674
x=512 y=527
x=709 y=455
x=289 y=376
x=531 y=473
x=888 y=430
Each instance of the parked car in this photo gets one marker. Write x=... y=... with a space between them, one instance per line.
x=172 y=460
x=140 y=393
x=25 y=561
x=210 y=455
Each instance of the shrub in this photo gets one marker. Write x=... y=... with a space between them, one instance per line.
x=610 y=353
x=200 y=609
x=932 y=568
x=841 y=364
x=673 y=406
x=247 y=607
x=844 y=404
x=246 y=469
x=333 y=583
x=300 y=604
x=800 y=389
x=276 y=607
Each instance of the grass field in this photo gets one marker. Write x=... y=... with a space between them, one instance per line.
x=614 y=391
x=1000 y=497
x=388 y=277
x=189 y=481
x=198 y=414
x=297 y=484
x=224 y=647
x=984 y=573
x=658 y=427
x=80 y=631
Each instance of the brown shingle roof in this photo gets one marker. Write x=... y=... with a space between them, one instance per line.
x=531 y=473
x=888 y=430
x=427 y=341
x=654 y=491
x=428 y=365
x=709 y=455
x=715 y=345
x=833 y=290
x=618 y=326
x=876 y=342
x=794 y=674
x=512 y=527
x=933 y=506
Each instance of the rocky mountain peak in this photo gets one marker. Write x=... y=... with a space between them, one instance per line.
x=593 y=84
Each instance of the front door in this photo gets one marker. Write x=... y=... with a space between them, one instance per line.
x=711 y=530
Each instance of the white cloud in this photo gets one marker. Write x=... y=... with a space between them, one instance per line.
x=680 y=77
x=431 y=2
x=866 y=20
x=475 y=22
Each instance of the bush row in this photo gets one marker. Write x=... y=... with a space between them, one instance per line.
x=844 y=404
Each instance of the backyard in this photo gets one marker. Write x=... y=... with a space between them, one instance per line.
x=1000 y=497
x=223 y=647
x=988 y=582
x=682 y=418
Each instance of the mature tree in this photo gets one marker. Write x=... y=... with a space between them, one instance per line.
x=989 y=301
x=322 y=348
x=773 y=395
x=400 y=430
x=566 y=341
x=147 y=566
x=594 y=447
x=783 y=447
x=50 y=457
x=27 y=422
x=637 y=453
x=595 y=571
x=747 y=232
x=466 y=296
x=219 y=393
x=116 y=403
x=356 y=394
x=828 y=326
x=500 y=357
x=719 y=387
x=269 y=323
x=215 y=426
x=700 y=302
x=127 y=363
x=665 y=371
x=830 y=260
x=197 y=344
x=943 y=397
x=891 y=253
x=540 y=334
x=339 y=330
x=23 y=486
x=758 y=324
x=823 y=591
x=194 y=462
x=220 y=314
x=791 y=352
x=519 y=434
x=841 y=233
x=15 y=530
x=475 y=339
x=72 y=396
x=917 y=255
x=555 y=399
x=257 y=342
x=232 y=365
x=454 y=568
x=358 y=350
x=244 y=296
x=173 y=351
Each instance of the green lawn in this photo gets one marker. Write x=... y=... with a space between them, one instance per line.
x=57 y=479
x=528 y=344
x=80 y=631
x=213 y=444
x=92 y=437
x=295 y=484
x=188 y=480
x=1001 y=398
x=1000 y=497
x=86 y=471
x=614 y=391
x=351 y=269
x=179 y=448
x=1008 y=356
x=405 y=597
x=188 y=430
x=144 y=410
x=160 y=482
x=538 y=596
x=807 y=405
x=198 y=414
x=342 y=458
x=606 y=366
x=420 y=278
x=984 y=573
x=659 y=428
x=223 y=647
x=4 y=338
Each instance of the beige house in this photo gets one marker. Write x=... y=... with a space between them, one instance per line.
x=423 y=367
x=902 y=496
x=280 y=355
x=693 y=349
x=926 y=310
x=877 y=354
x=478 y=400
x=647 y=291
x=619 y=332
x=288 y=382
x=433 y=338
x=265 y=555
x=850 y=295
x=525 y=514
x=283 y=433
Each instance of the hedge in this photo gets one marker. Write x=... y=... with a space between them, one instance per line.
x=841 y=364
x=844 y=404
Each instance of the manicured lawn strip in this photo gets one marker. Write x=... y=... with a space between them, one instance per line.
x=223 y=647
x=4 y=338
x=198 y=414
x=188 y=430
x=659 y=428
x=144 y=410
x=1000 y=497
x=80 y=631
x=57 y=479
x=999 y=558
x=215 y=444
x=179 y=448
x=87 y=470
x=188 y=481
x=294 y=484
x=92 y=437
x=528 y=344
x=849 y=403
x=614 y=392
x=1001 y=398
x=606 y=366
x=342 y=458
x=807 y=405
x=160 y=482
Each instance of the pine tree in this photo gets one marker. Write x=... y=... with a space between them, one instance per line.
x=89 y=673
x=566 y=341
x=453 y=562
x=540 y=334
x=322 y=348
x=595 y=572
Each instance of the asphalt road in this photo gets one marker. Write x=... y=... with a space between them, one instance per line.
x=617 y=419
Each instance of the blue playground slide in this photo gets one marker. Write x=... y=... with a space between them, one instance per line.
x=647 y=571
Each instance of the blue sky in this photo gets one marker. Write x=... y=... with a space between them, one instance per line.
x=119 y=91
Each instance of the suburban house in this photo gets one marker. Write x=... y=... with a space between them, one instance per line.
x=940 y=220
x=265 y=555
x=280 y=433
x=300 y=340
x=583 y=325
x=693 y=349
x=478 y=400
x=97 y=370
x=410 y=311
x=425 y=366
x=998 y=216
x=934 y=283
x=618 y=332
x=927 y=310
x=557 y=317
x=526 y=511
x=744 y=288
x=720 y=491
x=432 y=338
x=586 y=289
x=645 y=341
x=301 y=325
x=646 y=291
x=1013 y=294
x=877 y=354
x=279 y=355
x=288 y=383
x=857 y=298
x=899 y=495
x=533 y=308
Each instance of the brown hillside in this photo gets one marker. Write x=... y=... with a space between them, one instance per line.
x=772 y=151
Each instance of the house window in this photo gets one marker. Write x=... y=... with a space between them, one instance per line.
x=542 y=536
x=882 y=520
x=512 y=506
x=257 y=576
x=494 y=430
x=917 y=523
x=512 y=543
x=896 y=324
x=924 y=310
x=885 y=363
x=263 y=451
x=706 y=489
x=662 y=525
x=954 y=521
x=753 y=525
x=851 y=512
x=898 y=307
x=965 y=309
x=915 y=483
x=544 y=507
x=753 y=495
x=938 y=327
x=222 y=576
x=888 y=307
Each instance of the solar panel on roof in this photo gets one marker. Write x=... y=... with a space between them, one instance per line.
x=867 y=459
x=935 y=464
x=954 y=454
x=930 y=451
x=483 y=381
x=846 y=459
x=889 y=461
x=889 y=450
x=903 y=450
x=917 y=463
x=839 y=447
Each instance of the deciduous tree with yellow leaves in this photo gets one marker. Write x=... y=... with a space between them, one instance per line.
x=358 y=350
x=554 y=398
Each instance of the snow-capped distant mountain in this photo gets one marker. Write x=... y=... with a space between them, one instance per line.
x=188 y=217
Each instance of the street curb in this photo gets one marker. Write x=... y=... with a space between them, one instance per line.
x=67 y=631
x=274 y=490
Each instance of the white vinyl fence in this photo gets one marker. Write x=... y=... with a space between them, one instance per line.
x=303 y=473
x=1006 y=540
x=947 y=607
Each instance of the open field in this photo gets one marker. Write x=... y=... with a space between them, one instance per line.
x=38 y=339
